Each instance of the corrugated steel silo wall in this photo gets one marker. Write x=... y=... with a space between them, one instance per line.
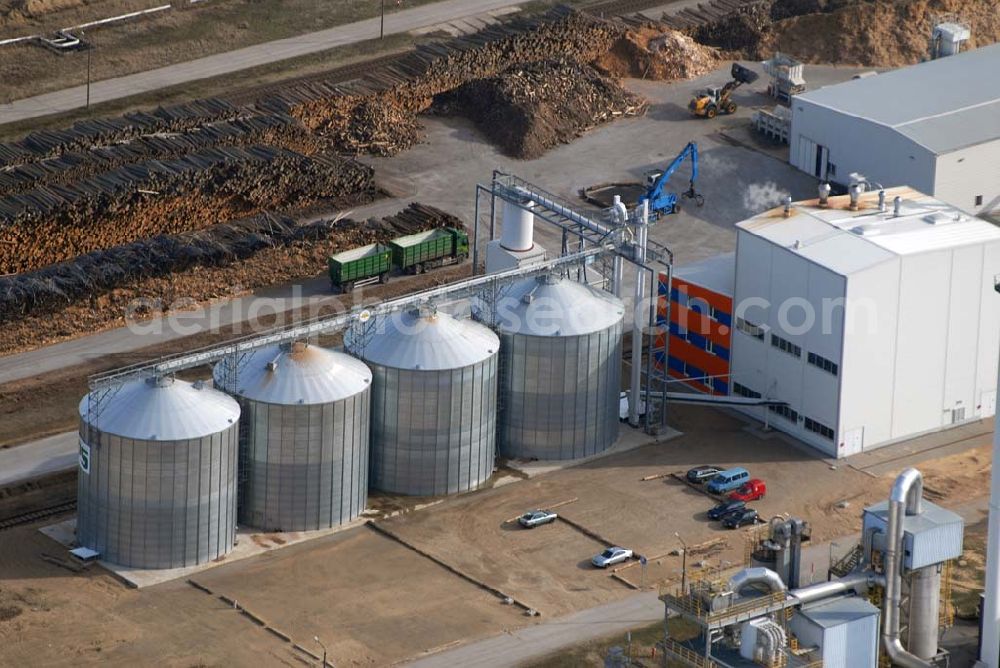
x=433 y=432
x=305 y=466
x=158 y=504
x=560 y=394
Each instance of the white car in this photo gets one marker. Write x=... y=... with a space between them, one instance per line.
x=534 y=518
x=611 y=556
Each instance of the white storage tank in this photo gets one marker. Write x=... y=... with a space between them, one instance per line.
x=157 y=483
x=304 y=445
x=433 y=403
x=561 y=360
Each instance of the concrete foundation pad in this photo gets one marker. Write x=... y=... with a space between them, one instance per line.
x=249 y=543
x=629 y=439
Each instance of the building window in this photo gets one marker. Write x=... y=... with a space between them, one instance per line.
x=785 y=345
x=744 y=391
x=831 y=169
x=750 y=329
x=819 y=428
x=979 y=200
x=822 y=363
x=709 y=346
x=785 y=412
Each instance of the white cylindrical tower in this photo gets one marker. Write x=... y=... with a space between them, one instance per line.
x=518 y=227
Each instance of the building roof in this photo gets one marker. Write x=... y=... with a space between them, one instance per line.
x=716 y=273
x=943 y=105
x=839 y=611
x=931 y=516
x=846 y=242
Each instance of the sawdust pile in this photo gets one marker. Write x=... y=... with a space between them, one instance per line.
x=745 y=33
x=529 y=109
x=881 y=34
x=650 y=52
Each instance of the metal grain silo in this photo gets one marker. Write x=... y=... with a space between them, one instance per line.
x=157 y=482
x=560 y=360
x=304 y=445
x=434 y=402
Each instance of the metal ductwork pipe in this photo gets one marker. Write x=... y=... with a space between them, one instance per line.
x=856 y=582
x=756 y=576
x=906 y=497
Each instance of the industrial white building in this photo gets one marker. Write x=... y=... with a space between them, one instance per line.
x=934 y=127
x=874 y=326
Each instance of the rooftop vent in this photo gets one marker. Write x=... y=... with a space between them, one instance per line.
x=943 y=218
x=866 y=230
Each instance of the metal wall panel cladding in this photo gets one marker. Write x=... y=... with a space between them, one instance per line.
x=560 y=360
x=304 y=444
x=434 y=402
x=157 y=483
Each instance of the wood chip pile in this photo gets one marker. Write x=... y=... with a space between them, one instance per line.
x=53 y=224
x=528 y=109
x=89 y=276
x=651 y=51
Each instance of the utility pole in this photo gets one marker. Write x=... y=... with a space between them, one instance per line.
x=684 y=564
x=320 y=643
x=381 y=27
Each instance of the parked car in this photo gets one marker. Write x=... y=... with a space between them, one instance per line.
x=728 y=480
x=535 y=518
x=724 y=508
x=750 y=491
x=611 y=556
x=740 y=518
x=700 y=474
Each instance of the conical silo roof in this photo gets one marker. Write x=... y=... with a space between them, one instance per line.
x=295 y=373
x=162 y=409
x=428 y=340
x=548 y=305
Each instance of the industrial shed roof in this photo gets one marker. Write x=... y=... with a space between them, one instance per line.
x=847 y=241
x=943 y=104
x=716 y=273
x=839 y=611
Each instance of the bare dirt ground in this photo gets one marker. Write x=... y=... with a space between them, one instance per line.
x=371 y=600
x=374 y=601
x=53 y=617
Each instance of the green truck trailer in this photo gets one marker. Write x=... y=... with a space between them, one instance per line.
x=412 y=254
x=372 y=262
x=429 y=249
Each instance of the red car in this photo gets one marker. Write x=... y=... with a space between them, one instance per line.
x=750 y=491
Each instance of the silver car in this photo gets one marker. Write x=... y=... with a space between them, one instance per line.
x=534 y=518
x=611 y=556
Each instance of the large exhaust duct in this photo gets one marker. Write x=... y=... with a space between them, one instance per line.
x=989 y=655
x=756 y=576
x=905 y=499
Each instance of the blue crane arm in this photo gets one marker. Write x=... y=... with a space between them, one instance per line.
x=662 y=201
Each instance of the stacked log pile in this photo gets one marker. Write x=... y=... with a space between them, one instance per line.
x=410 y=84
x=527 y=110
x=83 y=135
x=272 y=129
x=56 y=223
x=93 y=275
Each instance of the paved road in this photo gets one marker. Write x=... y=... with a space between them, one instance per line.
x=533 y=642
x=252 y=56
x=47 y=455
